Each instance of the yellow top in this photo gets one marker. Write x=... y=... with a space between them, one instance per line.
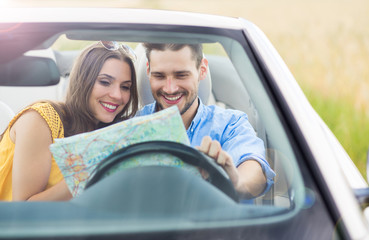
x=7 y=149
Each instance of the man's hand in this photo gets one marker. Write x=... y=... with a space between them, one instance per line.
x=248 y=179
x=214 y=150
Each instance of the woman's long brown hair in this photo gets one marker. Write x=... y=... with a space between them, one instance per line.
x=75 y=113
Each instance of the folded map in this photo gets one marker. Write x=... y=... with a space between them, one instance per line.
x=77 y=156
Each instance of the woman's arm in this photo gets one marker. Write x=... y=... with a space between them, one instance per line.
x=59 y=192
x=32 y=160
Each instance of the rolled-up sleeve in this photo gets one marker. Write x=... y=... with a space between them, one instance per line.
x=240 y=141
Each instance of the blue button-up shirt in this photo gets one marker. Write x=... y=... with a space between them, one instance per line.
x=231 y=129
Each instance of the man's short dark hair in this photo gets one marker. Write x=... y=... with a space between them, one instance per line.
x=196 y=49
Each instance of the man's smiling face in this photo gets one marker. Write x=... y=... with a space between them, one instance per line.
x=174 y=79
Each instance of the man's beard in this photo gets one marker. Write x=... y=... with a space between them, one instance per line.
x=187 y=106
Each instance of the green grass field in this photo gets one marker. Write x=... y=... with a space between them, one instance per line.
x=325 y=43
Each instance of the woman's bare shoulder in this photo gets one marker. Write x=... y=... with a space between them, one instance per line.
x=30 y=123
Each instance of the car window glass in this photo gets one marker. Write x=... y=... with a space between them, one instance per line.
x=237 y=83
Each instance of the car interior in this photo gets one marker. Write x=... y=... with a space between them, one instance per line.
x=219 y=88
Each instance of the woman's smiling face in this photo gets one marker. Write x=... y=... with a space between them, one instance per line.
x=111 y=91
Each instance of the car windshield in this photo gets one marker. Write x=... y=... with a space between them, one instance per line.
x=236 y=80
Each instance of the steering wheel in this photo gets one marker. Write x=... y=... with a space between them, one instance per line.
x=217 y=176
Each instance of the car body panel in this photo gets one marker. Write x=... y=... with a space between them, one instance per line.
x=137 y=16
x=325 y=151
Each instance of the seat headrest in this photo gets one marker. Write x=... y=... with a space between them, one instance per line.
x=29 y=71
x=143 y=85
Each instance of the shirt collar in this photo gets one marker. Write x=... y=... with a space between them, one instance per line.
x=199 y=114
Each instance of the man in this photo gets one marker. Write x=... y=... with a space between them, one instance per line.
x=175 y=71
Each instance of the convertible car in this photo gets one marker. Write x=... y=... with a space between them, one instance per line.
x=318 y=193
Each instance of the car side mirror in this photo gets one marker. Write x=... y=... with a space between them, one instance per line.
x=367 y=165
x=362 y=194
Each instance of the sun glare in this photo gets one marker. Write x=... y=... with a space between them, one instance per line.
x=5 y=3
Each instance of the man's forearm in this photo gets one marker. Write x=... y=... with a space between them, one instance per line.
x=252 y=180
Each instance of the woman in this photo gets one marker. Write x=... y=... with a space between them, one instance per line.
x=102 y=91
